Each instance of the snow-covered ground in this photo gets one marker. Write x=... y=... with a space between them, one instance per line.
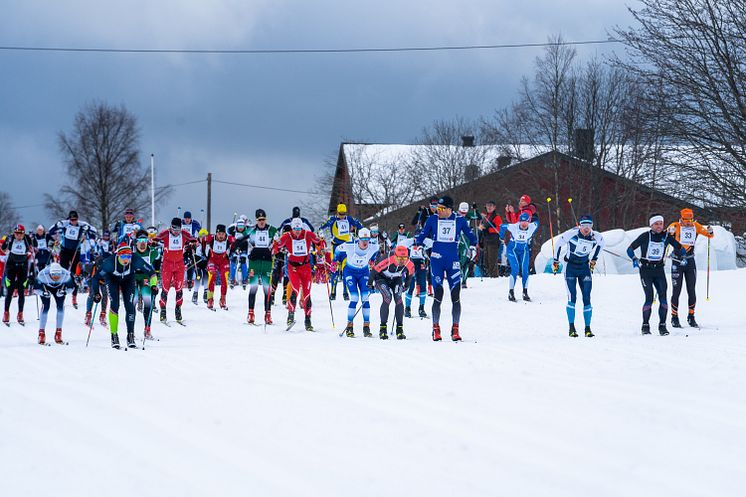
x=220 y=408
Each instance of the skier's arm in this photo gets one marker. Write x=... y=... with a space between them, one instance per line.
x=562 y=241
x=636 y=243
x=600 y=243
x=704 y=231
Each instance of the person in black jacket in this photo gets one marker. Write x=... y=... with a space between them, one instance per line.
x=423 y=213
x=652 y=245
x=19 y=248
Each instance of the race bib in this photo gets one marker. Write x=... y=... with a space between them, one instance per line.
x=18 y=248
x=262 y=239
x=357 y=260
x=219 y=247
x=42 y=244
x=447 y=230
x=128 y=229
x=521 y=236
x=72 y=232
x=655 y=251
x=583 y=247
x=300 y=248
x=343 y=227
x=401 y=240
x=104 y=245
x=174 y=242
x=417 y=253
x=688 y=235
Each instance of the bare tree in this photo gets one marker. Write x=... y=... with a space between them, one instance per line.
x=695 y=51
x=8 y=214
x=440 y=162
x=102 y=156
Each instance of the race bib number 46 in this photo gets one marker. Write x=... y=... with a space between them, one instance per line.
x=447 y=230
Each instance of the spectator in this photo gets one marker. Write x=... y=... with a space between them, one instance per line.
x=489 y=228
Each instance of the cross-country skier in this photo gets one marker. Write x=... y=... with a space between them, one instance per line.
x=390 y=277
x=357 y=256
x=517 y=238
x=42 y=247
x=279 y=268
x=445 y=229
x=216 y=249
x=418 y=282
x=72 y=231
x=146 y=285
x=19 y=250
x=238 y=258
x=342 y=228
x=684 y=267
x=583 y=248
x=296 y=213
x=125 y=229
x=652 y=245
x=258 y=246
x=298 y=244
x=401 y=237
x=52 y=282
x=200 y=269
x=174 y=240
x=118 y=272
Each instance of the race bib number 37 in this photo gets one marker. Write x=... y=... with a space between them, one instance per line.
x=447 y=230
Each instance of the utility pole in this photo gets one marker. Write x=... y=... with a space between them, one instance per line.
x=209 y=202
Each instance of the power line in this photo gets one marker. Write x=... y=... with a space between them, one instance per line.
x=268 y=187
x=276 y=51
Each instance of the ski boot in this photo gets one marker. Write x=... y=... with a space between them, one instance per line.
x=163 y=315
x=42 y=337
x=454 y=333
x=400 y=332
x=177 y=314
x=291 y=318
x=573 y=332
x=58 y=336
x=463 y=284
x=211 y=304
x=88 y=319
x=407 y=312
x=204 y=296
x=307 y=322
x=190 y=285
x=691 y=321
x=6 y=318
x=662 y=329
x=243 y=285
x=366 y=330
x=195 y=297
x=383 y=332
x=114 y=341
x=588 y=332
x=511 y=295
x=131 y=340
x=20 y=320
x=222 y=303
x=436 y=333
x=675 y=322
x=423 y=314
x=232 y=284
x=525 y=295
x=148 y=335
x=268 y=317
x=250 y=318
x=645 y=329
x=102 y=319
x=349 y=330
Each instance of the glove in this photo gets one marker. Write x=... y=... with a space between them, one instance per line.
x=635 y=263
x=97 y=298
x=592 y=265
x=472 y=253
x=555 y=266
x=672 y=230
x=710 y=231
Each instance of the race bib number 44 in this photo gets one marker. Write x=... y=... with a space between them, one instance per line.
x=262 y=239
x=447 y=230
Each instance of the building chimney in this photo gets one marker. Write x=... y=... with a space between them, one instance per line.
x=584 y=146
x=503 y=161
x=467 y=141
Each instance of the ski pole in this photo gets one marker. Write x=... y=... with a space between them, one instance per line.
x=572 y=209
x=551 y=231
x=708 y=269
x=95 y=309
x=329 y=297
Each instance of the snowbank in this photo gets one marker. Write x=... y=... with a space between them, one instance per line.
x=614 y=260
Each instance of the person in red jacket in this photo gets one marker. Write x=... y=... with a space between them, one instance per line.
x=174 y=242
x=216 y=248
x=298 y=243
x=512 y=214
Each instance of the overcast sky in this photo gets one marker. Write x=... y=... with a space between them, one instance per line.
x=261 y=119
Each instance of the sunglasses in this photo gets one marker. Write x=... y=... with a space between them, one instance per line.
x=125 y=257
x=441 y=207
